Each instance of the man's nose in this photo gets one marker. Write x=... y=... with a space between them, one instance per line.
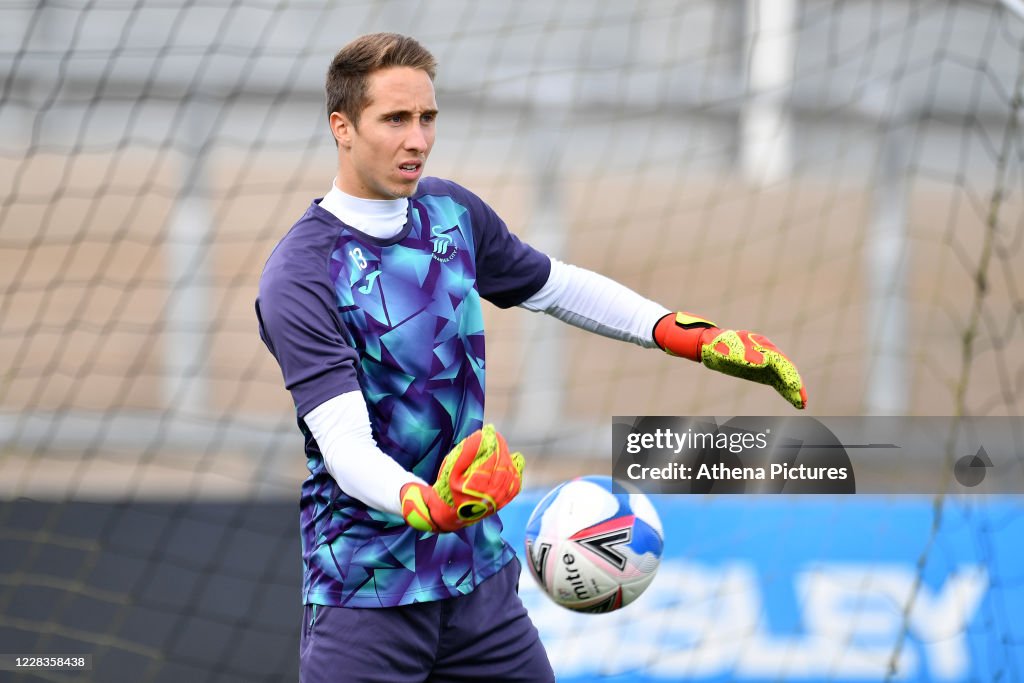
x=416 y=139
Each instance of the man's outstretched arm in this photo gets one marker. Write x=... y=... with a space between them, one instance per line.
x=598 y=304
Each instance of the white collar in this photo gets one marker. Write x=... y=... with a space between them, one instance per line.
x=380 y=218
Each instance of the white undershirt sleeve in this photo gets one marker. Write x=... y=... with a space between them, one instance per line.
x=341 y=427
x=597 y=304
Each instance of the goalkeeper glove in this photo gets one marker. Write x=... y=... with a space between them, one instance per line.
x=477 y=478
x=740 y=353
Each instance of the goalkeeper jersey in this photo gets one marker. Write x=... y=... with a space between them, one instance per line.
x=399 y=320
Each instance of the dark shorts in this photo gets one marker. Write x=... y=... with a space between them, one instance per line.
x=483 y=636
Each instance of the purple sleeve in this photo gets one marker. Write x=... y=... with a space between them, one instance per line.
x=508 y=270
x=299 y=323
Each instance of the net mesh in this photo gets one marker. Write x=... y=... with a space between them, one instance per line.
x=845 y=178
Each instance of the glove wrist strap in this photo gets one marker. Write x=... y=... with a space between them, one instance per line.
x=682 y=334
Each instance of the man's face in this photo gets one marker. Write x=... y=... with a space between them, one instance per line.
x=383 y=157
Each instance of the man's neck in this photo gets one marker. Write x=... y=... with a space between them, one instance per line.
x=381 y=218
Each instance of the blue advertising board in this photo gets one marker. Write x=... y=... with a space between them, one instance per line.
x=813 y=588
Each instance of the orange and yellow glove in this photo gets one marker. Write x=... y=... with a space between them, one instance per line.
x=740 y=353
x=477 y=478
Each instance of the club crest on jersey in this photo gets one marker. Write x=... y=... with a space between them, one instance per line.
x=444 y=246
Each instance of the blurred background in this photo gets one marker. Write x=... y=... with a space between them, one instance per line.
x=844 y=176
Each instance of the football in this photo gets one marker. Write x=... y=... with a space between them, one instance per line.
x=592 y=549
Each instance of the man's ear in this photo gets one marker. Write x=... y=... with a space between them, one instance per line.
x=342 y=128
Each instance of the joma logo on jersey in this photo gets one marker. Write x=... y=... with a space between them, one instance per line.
x=369 y=280
x=444 y=246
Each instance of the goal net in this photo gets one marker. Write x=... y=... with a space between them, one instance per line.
x=844 y=177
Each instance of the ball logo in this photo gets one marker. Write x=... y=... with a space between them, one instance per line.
x=538 y=559
x=572 y=574
x=604 y=544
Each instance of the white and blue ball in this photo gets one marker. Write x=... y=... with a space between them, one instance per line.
x=591 y=549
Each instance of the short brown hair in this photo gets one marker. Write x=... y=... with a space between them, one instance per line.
x=348 y=75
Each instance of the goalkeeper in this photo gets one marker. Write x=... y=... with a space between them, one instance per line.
x=371 y=306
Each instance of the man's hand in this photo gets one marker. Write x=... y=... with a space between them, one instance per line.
x=740 y=353
x=477 y=478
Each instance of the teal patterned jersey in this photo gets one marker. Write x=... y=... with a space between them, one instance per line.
x=400 y=320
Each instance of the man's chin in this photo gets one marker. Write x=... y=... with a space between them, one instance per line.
x=405 y=190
